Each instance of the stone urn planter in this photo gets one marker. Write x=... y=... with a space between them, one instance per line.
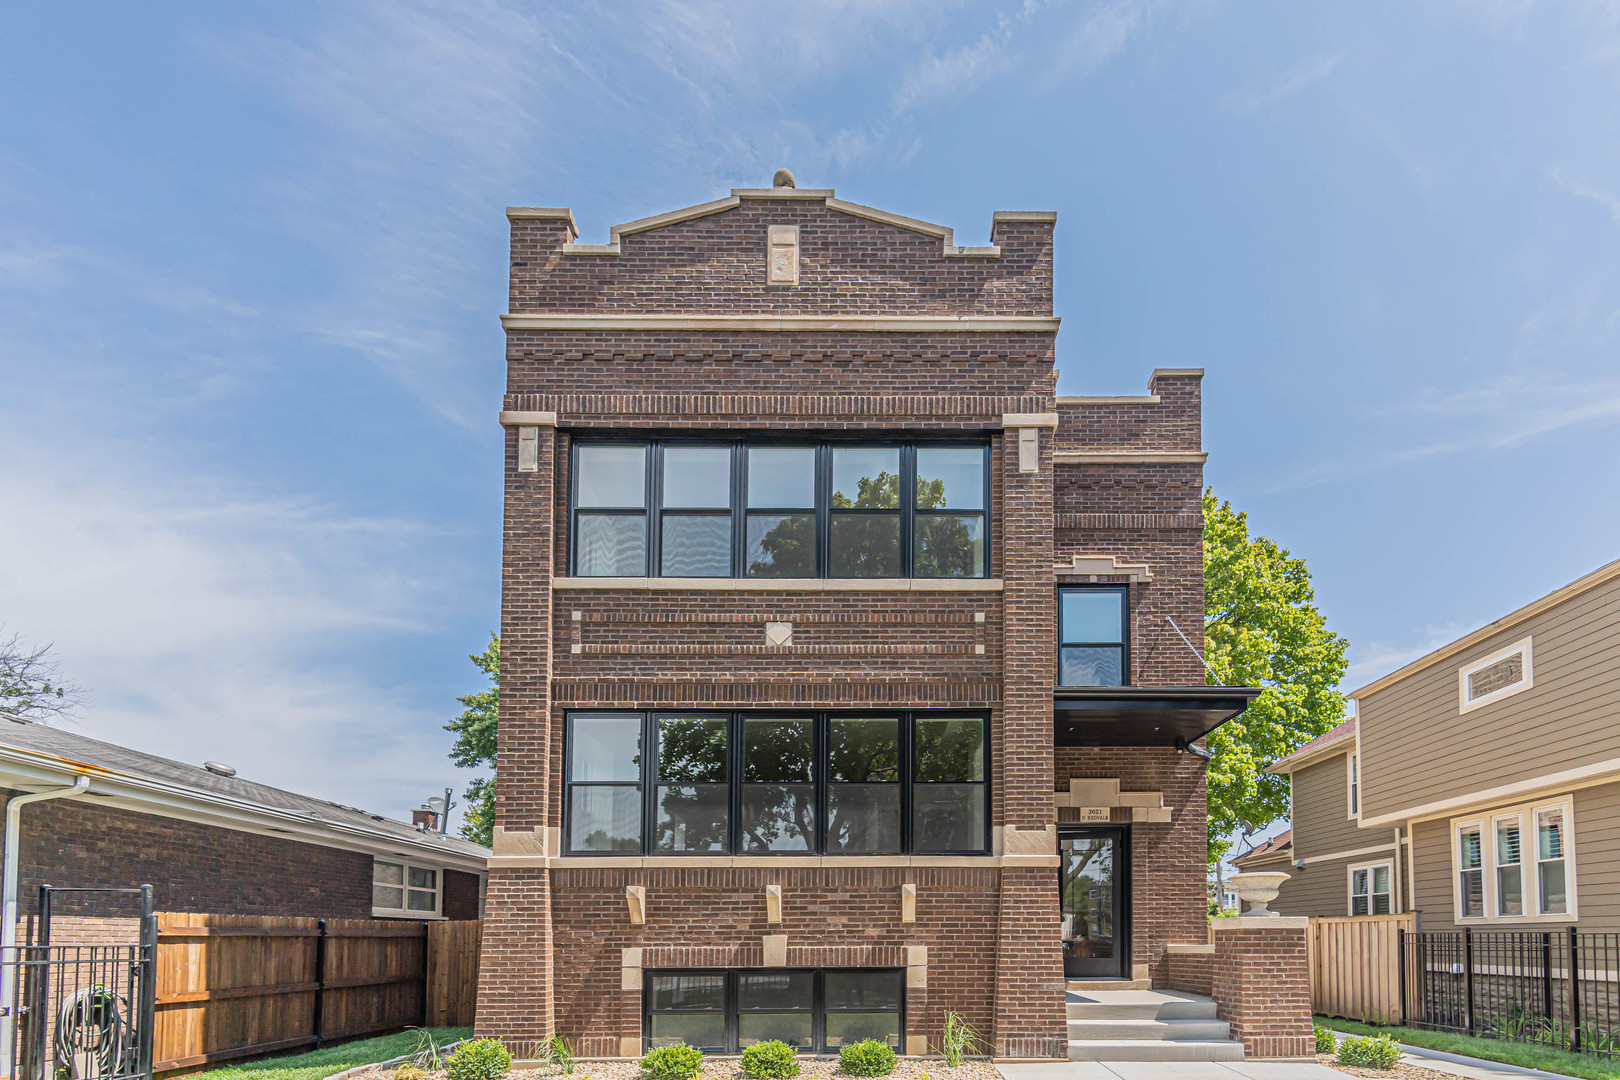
x=1259 y=890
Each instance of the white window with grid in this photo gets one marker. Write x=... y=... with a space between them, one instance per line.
x=405 y=889
x=1516 y=864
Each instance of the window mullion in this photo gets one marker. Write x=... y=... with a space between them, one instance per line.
x=655 y=509
x=906 y=778
x=823 y=509
x=739 y=510
x=908 y=508
x=649 y=780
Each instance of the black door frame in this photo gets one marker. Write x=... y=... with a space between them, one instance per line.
x=1121 y=835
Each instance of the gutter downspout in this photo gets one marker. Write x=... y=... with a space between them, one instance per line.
x=8 y=911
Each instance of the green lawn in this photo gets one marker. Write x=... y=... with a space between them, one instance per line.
x=1529 y=1055
x=333 y=1059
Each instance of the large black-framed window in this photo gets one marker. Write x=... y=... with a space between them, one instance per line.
x=816 y=1010
x=1094 y=635
x=789 y=509
x=762 y=783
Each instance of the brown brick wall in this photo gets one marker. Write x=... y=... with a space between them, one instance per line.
x=553 y=938
x=460 y=897
x=191 y=867
x=1262 y=988
x=1168 y=862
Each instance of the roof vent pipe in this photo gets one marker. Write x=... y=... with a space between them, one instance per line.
x=218 y=769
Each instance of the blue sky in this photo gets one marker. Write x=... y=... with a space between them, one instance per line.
x=252 y=255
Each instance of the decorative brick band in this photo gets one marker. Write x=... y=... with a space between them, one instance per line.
x=665 y=406
x=1128 y=521
x=776 y=650
x=803 y=695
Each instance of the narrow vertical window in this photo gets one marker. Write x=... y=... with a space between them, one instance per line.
x=604 y=788
x=692 y=806
x=1380 y=890
x=947 y=795
x=862 y=1005
x=611 y=518
x=1550 y=858
x=948 y=535
x=423 y=891
x=1355 y=784
x=1092 y=636
x=864 y=536
x=1471 y=872
x=1359 y=891
x=1509 y=869
x=687 y=1008
x=863 y=786
x=695 y=518
x=778 y=784
x=388 y=885
x=781 y=517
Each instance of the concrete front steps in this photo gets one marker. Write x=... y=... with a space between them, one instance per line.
x=1145 y=1025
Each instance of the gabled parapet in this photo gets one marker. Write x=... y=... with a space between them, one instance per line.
x=780 y=249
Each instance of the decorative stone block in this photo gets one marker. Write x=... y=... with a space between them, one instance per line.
x=528 y=455
x=778 y=633
x=783 y=264
x=773 y=903
x=908 y=903
x=1140 y=798
x=775 y=950
x=635 y=898
x=1094 y=792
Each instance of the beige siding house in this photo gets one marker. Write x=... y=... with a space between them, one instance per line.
x=1479 y=784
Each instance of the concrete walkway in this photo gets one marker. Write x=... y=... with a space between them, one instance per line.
x=1170 y=1070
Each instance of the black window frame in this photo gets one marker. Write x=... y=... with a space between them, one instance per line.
x=821 y=725
x=1123 y=644
x=818 y=1008
x=653 y=512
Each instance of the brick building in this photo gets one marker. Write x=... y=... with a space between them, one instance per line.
x=843 y=671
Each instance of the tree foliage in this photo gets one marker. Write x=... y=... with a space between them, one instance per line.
x=31 y=684
x=1261 y=628
x=475 y=744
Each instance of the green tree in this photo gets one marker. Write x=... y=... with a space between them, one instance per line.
x=475 y=744
x=1261 y=628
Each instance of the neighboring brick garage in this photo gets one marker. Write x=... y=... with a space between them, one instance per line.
x=903 y=389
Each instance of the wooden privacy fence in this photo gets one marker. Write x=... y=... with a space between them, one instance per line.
x=232 y=986
x=452 y=972
x=1355 y=966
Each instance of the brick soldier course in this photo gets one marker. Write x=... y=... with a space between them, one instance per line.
x=779 y=314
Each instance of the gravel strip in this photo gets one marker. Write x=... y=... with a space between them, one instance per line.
x=1401 y=1071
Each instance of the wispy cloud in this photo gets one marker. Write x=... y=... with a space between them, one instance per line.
x=1311 y=70
x=1375 y=659
x=1606 y=199
x=210 y=621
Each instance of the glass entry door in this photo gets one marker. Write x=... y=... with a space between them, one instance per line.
x=1094 y=901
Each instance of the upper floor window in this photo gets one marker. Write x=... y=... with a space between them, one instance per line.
x=676 y=509
x=1500 y=675
x=1352 y=767
x=760 y=784
x=1093 y=636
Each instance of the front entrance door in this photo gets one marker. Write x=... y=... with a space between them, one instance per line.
x=1094 y=901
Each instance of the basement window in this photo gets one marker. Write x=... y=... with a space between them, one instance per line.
x=815 y=1011
x=1499 y=675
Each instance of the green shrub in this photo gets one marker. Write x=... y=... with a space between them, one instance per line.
x=1379 y=1053
x=679 y=1062
x=773 y=1060
x=480 y=1059
x=869 y=1057
x=1325 y=1041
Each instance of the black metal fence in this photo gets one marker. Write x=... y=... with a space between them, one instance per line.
x=81 y=1011
x=1555 y=987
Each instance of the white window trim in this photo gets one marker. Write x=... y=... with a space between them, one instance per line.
x=1467 y=704
x=407 y=913
x=1352 y=785
x=1528 y=863
x=1350 y=887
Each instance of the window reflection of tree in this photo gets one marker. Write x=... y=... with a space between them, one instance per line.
x=866 y=752
x=1091 y=920
x=692 y=798
x=778 y=786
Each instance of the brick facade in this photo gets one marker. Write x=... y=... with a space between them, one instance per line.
x=911 y=357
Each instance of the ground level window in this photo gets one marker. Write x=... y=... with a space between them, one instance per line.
x=402 y=888
x=814 y=1010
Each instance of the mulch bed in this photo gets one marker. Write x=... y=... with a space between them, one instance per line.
x=730 y=1068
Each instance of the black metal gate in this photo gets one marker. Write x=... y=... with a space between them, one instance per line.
x=83 y=1011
